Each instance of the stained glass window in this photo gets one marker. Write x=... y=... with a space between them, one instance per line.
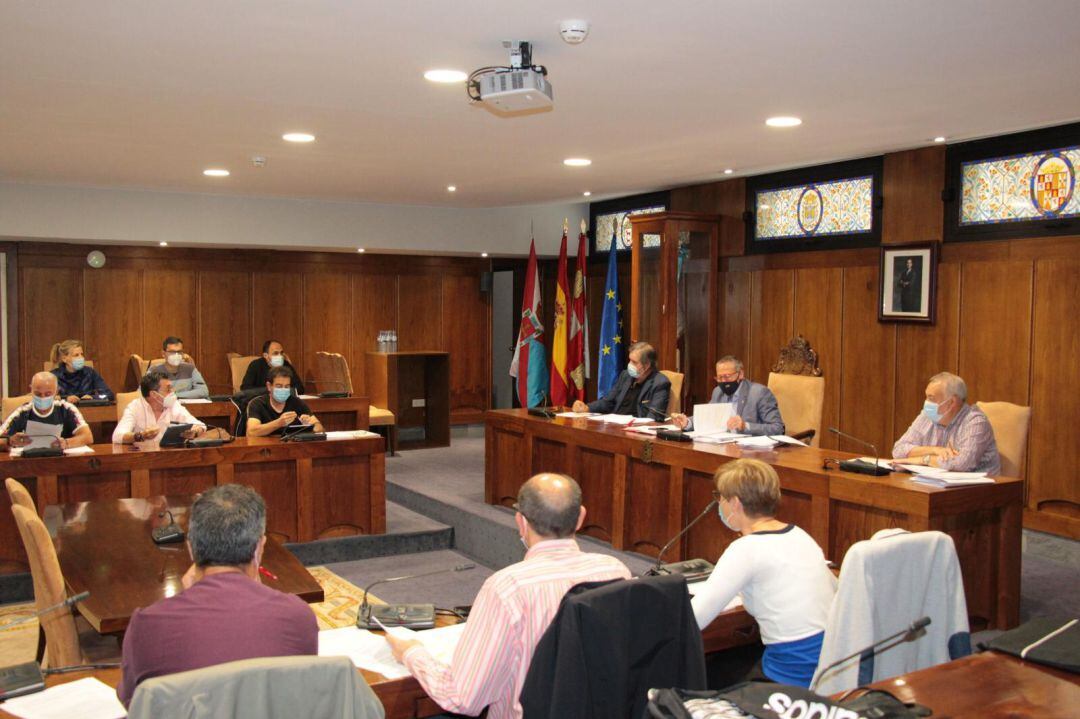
x=839 y=207
x=618 y=224
x=1034 y=186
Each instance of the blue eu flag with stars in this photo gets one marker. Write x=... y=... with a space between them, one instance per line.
x=611 y=329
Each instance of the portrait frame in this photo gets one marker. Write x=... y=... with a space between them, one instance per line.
x=907 y=283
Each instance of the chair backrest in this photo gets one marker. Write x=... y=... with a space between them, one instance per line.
x=19 y=494
x=48 y=366
x=123 y=399
x=334 y=370
x=1010 y=424
x=886 y=583
x=238 y=365
x=139 y=365
x=61 y=636
x=675 y=398
x=10 y=404
x=801 y=400
x=272 y=687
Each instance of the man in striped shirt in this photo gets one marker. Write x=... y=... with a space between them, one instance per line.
x=514 y=607
x=949 y=433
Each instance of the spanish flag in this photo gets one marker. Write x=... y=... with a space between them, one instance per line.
x=560 y=372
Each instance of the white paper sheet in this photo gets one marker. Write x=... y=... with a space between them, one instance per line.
x=349 y=434
x=576 y=415
x=712 y=418
x=717 y=438
x=886 y=463
x=757 y=442
x=72 y=451
x=371 y=651
x=195 y=400
x=619 y=419
x=85 y=698
x=41 y=434
x=652 y=430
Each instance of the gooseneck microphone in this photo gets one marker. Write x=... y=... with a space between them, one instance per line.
x=908 y=634
x=695 y=566
x=656 y=413
x=414 y=616
x=168 y=533
x=67 y=603
x=857 y=466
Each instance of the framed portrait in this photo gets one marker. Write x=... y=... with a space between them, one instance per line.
x=907 y=290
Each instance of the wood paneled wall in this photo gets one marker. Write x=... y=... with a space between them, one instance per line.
x=1008 y=322
x=231 y=301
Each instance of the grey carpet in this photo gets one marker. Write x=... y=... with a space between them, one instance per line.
x=443 y=590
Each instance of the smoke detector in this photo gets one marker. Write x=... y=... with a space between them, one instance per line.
x=258 y=161
x=574 y=32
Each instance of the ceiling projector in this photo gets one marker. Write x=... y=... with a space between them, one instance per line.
x=513 y=88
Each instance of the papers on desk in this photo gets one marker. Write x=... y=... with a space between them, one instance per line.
x=349 y=434
x=944 y=478
x=195 y=400
x=716 y=437
x=85 y=698
x=713 y=418
x=757 y=442
x=622 y=420
x=371 y=651
x=70 y=451
x=576 y=415
x=652 y=430
x=308 y=396
x=888 y=464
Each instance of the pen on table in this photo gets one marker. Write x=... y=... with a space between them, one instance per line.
x=267 y=573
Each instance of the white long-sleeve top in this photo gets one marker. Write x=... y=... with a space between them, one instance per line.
x=784 y=581
x=139 y=416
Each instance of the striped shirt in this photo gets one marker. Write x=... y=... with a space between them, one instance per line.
x=511 y=613
x=969 y=433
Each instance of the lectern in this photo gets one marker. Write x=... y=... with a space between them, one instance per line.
x=415 y=386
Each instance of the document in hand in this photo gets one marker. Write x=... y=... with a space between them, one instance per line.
x=712 y=418
x=41 y=434
x=370 y=651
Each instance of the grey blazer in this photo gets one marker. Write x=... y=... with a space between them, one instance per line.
x=757 y=406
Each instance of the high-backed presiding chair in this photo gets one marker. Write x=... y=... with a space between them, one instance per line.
x=675 y=397
x=238 y=365
x=334 y=373
x=269 y=687
x=800 y=390
x=1010 y=424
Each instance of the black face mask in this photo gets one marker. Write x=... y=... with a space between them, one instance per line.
x=729 y=388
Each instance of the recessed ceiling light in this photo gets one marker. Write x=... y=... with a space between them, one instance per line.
x=451 y=188
x=939 y=138
x=577 y=162
x=783 y=121
x=359 y=249
x=728 y=171
x=483 y=254
x=587 y=193
x=445 y=76
x=163 y=243
x=215 y=172
x=298 y=137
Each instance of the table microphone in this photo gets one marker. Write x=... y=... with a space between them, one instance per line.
x=909 y=634
x=67 y=603
x=413 y=616
x=858 y=466
x=696 y=568
x=169 y=533
x=656 y=413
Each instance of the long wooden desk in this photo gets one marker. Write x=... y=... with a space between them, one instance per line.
x=104 y=547
x=313 y=490
x=640 y=491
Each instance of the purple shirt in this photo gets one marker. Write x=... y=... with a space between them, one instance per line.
x=969 y=433
x=221 y=618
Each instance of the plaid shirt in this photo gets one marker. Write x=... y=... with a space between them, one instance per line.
x=969 y=434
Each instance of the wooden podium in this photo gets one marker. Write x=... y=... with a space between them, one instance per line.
x=415 y=386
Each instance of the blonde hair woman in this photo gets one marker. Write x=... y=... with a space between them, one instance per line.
x=76 y=379
x=779 y=570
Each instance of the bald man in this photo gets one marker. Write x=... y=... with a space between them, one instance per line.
x=515 y=606
x=45 y=407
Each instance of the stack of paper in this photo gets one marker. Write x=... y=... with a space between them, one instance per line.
x=349 y=434
x=370 y=651
x=945 y=478
x=623 y=420
x=84 y=698
x=716 y=437
x=652 y=430
x=758 y=442
x=575 y=415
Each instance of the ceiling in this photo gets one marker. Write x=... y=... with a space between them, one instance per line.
x=149 y=93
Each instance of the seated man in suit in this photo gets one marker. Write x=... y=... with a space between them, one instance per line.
x=273 y=356
x=46 y=407
x=514 y=607
x=272 y=413
x=147 y=418
x=756 y=411
x=224 y=613
x=949 y=433
x=187 y=382
x=639 y=390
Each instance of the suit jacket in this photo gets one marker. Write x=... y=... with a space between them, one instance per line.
x=655 y=391
x=590 y=664
x=756 y=404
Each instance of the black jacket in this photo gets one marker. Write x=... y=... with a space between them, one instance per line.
x=255 y=377
x=655 y=391
x=609 y=644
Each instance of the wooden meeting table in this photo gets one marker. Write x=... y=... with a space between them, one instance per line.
x=640 y=491
x=104 y=547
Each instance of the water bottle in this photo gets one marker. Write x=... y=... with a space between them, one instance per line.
x=381 y=343
x=393 y=340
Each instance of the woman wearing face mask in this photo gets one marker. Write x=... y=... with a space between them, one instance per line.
x=77 y=380
x=146 y=418
x=777 y=568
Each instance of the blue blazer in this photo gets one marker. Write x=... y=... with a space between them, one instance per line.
x=655 y=391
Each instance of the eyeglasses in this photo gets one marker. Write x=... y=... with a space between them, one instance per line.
x=728 y=377
x=717 y=496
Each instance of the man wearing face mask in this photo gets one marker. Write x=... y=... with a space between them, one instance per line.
x=778 y=568
x=640 y=390
x=47 y=407
x=755 y=412
x=274 y=412
x=187 y=382
x=146 y=419
x=273 y=356
x=949 y=433
x=514 y=607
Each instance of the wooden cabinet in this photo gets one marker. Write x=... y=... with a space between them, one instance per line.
x=415 y=386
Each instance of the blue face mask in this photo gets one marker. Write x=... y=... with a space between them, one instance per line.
x=633 y=370
x=931 y=411
x=78 y=363
x=281 y=394
x=277 y=360
x=43 y=404
x=725 y=520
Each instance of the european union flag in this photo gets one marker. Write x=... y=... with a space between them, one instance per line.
x=611 y=341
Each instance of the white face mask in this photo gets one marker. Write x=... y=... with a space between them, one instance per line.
x=169 y=401
x=174 y=359
x=277 y=360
